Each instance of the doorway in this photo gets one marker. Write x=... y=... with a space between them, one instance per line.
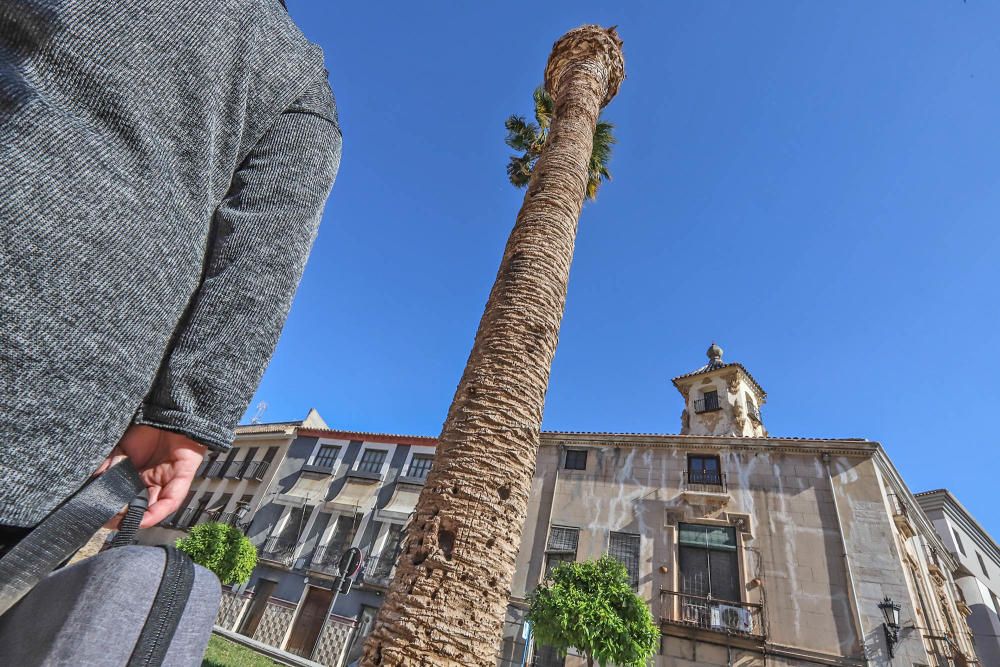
x=261 y=595
x=307 y=625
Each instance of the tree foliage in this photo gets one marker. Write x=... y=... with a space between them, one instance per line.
x=529 y=139
x=591 y=606
x=221 y=548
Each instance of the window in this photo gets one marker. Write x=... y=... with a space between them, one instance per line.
x=372 y=460
x=326 y=456
x=341 y=537
x=752 y=408
x=561 y=547
x=229 y=461
x=251 y=452
x=709 y=565
x=219 y=507
x=625 y=547
x=982 y=564
x=576 y=459
x=704 y=470
x=420 y=465
x=708 y=402
x=196 y=515
x=958 y=541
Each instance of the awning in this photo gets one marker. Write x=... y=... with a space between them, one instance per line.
x=358 y=496
x=402 y=503
x=309 y=489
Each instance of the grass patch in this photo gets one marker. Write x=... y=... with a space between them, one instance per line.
x=224 y=653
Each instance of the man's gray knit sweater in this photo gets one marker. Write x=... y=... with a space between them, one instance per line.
x=163 y=168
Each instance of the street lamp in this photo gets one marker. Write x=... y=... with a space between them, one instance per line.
x=890 y=612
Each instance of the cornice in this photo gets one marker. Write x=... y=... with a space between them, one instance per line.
x=842 y=447
x=950 y=505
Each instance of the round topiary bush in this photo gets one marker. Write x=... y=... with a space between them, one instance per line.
x=221 y=548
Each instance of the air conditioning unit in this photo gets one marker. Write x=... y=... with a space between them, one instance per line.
x=733 y=619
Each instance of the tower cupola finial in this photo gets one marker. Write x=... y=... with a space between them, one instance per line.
x=714 y=353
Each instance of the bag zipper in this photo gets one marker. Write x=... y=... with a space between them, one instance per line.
x=165 y=614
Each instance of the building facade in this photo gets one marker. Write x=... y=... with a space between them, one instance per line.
x=750 y=549
x=978 y=573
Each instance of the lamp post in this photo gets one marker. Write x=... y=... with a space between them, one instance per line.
x=890 y=612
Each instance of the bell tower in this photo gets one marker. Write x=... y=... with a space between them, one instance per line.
x=721 y=399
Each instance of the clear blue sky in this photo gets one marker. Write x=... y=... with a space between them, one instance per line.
x=813 y=185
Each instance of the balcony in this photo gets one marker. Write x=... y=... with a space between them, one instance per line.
x=754 y=412
x=181 y=519
x=707 y=404
x=933 y=562
x=255 y=470
x=213 y=469
x=378 y=570
x=705 y=481
x=327 y=560
x=279 y=551
x=901 y=516
x=697 y=613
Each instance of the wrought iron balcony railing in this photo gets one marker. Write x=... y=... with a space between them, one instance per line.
x=898 y=506
x=327 y=559
x=378 y=569
x=181 y=519
x=254 y=470
x=707 y=404
x=732 y=618
x=278 y=550
x=707 y=481
x=213 y=469
x=754 y=412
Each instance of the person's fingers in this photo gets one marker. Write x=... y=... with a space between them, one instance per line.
x=165 y=500
x=114 y=457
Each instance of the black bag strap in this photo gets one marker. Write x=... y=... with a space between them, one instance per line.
x=129 y=525
x=65 y=530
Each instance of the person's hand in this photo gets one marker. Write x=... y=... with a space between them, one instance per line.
x=166 y=461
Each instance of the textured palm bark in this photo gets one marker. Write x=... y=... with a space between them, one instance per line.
x=447 y=601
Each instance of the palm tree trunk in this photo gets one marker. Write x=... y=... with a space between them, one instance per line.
x=447 y=602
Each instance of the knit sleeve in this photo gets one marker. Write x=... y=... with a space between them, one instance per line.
x=262 y=233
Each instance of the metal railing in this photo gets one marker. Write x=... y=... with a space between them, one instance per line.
x=705 y=480
x=754 y=412
x=933 y=559
x=327 y=559
x=378 y=569
x=213 y=469
x=707 y=404
x=254 y=470
x=182 y=519
x=729 y=617
x=898 y=506
x=278 y=550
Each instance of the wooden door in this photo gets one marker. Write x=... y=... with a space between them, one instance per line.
x=307 y=625
x=261 y=595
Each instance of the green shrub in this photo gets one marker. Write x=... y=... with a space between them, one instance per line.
x=222 y=549
x=591 y=606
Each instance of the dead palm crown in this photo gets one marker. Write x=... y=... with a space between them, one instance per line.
x=529 y=139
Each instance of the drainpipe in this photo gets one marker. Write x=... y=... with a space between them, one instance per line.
x=852 y=592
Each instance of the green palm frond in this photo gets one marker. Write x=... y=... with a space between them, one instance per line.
x=529 y=139
x=519 y=169
x=521 y=135
x=600 y=156
x=544 y=107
